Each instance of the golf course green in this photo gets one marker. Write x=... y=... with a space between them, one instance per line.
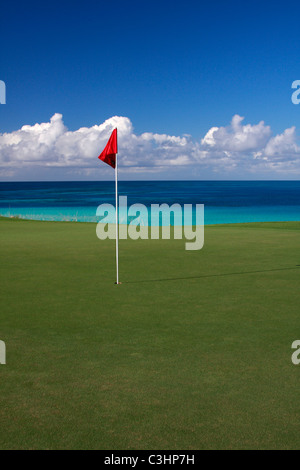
x=191 y=351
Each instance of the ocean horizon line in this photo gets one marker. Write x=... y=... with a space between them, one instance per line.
x=151 y=180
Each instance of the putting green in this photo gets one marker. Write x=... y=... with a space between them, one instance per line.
x=192 y=351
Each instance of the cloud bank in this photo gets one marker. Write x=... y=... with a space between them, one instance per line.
x=232 y=151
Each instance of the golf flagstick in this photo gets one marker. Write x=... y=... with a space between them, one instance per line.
x=117 y=222
x=109 y=156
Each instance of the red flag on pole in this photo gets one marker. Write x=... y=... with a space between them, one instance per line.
x=109 y=156
x=109 y=153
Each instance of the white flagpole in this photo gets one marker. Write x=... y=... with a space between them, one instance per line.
x=117 y=222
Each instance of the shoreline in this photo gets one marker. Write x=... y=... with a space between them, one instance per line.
x=21 y=219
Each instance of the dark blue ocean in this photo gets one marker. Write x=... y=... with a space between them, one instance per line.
x=224 y=201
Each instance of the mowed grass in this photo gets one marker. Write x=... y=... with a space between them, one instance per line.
x=192 y=351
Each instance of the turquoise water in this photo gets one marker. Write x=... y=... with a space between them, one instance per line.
x=224 y=201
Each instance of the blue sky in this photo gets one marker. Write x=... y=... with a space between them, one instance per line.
x=170 y=68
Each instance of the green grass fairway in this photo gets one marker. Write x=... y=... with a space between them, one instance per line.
x=192 y=351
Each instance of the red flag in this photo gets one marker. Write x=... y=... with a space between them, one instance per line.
x=109 y=153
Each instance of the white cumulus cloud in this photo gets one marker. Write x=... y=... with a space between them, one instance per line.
x=238 y=147
x=237 y=137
